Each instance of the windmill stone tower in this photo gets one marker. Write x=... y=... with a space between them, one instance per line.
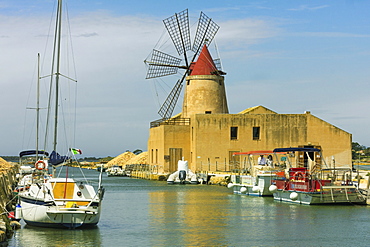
x=205 y=88
x=172 y=138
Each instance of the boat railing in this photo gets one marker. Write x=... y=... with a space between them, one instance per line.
x=73 y=200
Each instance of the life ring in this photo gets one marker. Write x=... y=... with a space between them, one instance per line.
x=300 y=176
x=40 y=165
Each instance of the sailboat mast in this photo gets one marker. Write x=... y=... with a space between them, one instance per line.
x=38 y=106
x=58 y=46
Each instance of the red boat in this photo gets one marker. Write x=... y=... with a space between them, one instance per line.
x=316 y=185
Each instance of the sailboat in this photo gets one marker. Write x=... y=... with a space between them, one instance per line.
x=50 y=201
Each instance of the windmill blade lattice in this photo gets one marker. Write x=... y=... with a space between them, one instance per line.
x=206 y=31
x=162 y=64
x=179 y=31
x=217 y=62
x=169 y=104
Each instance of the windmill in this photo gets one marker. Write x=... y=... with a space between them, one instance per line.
x=162 y=64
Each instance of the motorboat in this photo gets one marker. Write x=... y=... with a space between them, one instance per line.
x=255 y=177
x=183 y=175
x=115 y=171
x=312 y=182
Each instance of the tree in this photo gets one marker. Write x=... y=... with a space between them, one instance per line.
x=137 y=151
x=356 y=148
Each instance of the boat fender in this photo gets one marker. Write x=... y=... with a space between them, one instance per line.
x=230 y=185
x=243 y=189
x=255 y=189
x=18 y=212
x=293 y=196
x=273 y=188
x=40 y=165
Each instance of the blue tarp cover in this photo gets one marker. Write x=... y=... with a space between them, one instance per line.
x=32 y=152
x=276 y=150
x=56 y=159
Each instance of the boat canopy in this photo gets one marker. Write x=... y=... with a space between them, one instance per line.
x=56 y=159
x=261 y=152
x=279 y=150
x=33 y=152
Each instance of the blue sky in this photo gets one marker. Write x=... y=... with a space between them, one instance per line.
x=289 y=56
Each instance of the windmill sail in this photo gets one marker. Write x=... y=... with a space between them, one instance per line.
x=206 y=31
x=169 y=104
x=162 y=64
x=179 y=31
x=217 y=62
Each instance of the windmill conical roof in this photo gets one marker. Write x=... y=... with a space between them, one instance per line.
x=204 y=65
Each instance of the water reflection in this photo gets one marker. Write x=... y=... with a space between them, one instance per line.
x=151 y=213
x=188 y=216
x=37 y=236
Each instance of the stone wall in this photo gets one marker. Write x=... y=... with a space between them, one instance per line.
x=7 y=197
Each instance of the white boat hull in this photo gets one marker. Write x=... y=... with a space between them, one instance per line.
x=61 y=203
x=43 y=214
x=115 y=172
x=189 y=178
x=249 y=185
x=310 y=198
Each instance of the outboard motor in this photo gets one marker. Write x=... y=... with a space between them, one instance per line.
x=182 y=176
x=182 y=168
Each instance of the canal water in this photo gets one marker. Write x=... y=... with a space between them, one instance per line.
x=151 y=213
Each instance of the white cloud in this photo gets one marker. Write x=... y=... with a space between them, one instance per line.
x=307 y=7
x=241 y=33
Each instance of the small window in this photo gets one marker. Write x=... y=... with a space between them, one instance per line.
x=208 y=112
x=256 y=133
x=234 y=133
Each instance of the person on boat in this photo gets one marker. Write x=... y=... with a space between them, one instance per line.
x=269 y=161
x=261 y=160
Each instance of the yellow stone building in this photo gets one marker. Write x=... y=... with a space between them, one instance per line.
x=206 y=135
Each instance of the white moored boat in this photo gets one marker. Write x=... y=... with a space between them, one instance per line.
x=256 y=176
x=51 y=201
x=183 y=175
x=115 y=171
x=61 y=202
